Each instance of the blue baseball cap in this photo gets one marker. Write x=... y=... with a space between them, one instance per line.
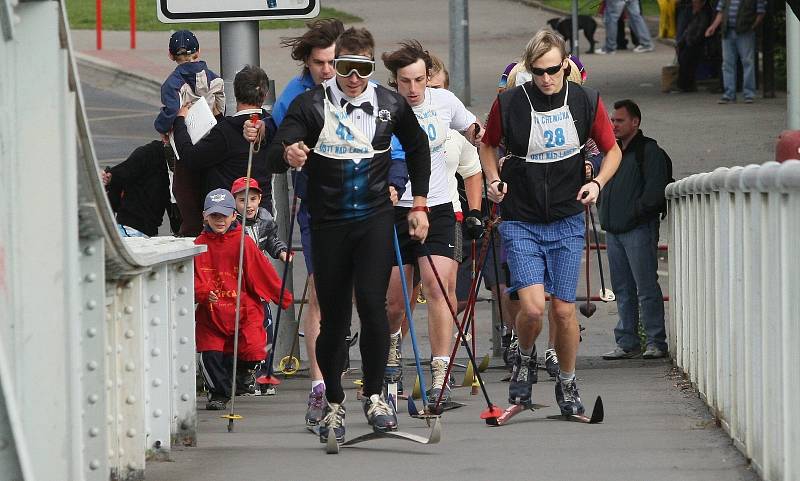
x=219 y=201
x=183 y=41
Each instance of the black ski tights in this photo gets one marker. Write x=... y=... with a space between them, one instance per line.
x=359 y=255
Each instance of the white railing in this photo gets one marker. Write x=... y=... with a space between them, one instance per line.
x=97 y=352
x=734 y=324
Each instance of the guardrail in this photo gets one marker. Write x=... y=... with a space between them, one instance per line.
x=97 y=352
x=734 y=322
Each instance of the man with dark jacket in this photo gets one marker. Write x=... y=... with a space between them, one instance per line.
x=221 y=156
x=138 y=190
x=630 y=210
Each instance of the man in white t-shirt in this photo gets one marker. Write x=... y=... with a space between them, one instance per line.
x=437 y=111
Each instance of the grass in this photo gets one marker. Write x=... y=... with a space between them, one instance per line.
x=116 y=17
x=589 y=7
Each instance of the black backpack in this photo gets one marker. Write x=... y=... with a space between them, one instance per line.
x=640 y=162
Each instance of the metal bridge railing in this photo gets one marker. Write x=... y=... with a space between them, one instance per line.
x=735 y=314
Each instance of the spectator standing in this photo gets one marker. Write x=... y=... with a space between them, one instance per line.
x=612 y=14
x=690 y=45
x=630 y=208
x=738 y=20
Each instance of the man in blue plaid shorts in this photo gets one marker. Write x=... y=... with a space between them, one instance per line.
x=544 y=124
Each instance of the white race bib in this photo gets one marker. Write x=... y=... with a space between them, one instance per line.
x=340 y=139
x=553 y=134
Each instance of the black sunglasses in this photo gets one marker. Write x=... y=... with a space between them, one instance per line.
x=549 y=70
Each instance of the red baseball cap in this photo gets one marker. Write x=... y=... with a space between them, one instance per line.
x=240 y=184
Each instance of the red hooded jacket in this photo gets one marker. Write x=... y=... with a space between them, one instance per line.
x=216 y=270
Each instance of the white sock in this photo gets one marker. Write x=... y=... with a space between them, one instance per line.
x=443 y=358
x=398 y=333
x=316 y=383
x=566 y=375
x=526 y=352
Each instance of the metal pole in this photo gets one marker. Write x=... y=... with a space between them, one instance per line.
x=792 y=69
x=575 y=50
x=768 y=52
x=459 y=50
x=238 y=46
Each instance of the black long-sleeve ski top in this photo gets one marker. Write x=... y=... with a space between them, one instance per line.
x=330 y=181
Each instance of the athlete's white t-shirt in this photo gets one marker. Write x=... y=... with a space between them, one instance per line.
x=462 y=158
x=437 y=114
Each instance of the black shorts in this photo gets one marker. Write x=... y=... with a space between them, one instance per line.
x=441 y=240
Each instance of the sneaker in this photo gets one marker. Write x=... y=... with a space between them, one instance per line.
x=316 y=405
x=216 y=404
x=619 y=353
x=602 y=51
x=654 y=352
x=523 y=376
x=380 y=414
x=333 y=419
x=568 y=398
x=749 y=100
x=725 y=101
x=551 y=363
x=438 y=383
x=510 y=354
x=643 y=49
x=245 y=383
x=394 y=363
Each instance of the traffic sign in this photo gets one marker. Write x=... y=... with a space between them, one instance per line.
x=182 y=11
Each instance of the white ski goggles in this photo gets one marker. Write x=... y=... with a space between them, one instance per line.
x=345 y=65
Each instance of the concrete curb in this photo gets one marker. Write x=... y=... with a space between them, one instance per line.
x=117 y=77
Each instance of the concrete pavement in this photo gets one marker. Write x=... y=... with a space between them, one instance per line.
x=655 y=426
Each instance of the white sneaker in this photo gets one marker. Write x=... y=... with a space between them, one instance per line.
x=643 y=49
x=602 y=51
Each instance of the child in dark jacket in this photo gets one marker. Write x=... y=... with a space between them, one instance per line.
x=215 y=283
x=261 y=227
x=191 y=79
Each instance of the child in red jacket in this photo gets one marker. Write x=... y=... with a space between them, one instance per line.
x=215 y=278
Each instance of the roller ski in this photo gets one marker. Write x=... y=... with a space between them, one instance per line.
x=524 y=375
x=380 y=415
x=571 y=406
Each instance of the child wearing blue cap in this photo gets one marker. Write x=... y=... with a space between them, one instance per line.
x=191 y=79
x=215 y=285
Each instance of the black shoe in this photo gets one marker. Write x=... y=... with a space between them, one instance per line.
x=217 y=404
x=523 y=376
x=569 y=401
x=380 y=414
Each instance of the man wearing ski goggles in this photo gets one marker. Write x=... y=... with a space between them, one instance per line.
x=347 y=65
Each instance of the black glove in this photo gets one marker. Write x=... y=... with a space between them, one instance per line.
x=474 y=224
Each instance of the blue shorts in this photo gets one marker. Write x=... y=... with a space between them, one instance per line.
x=548 y=254
x=304 y=221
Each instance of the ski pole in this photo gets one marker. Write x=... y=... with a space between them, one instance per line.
x=605 y=295
x=491 y=235
x=411 y=329
x=491 y=413
x=290 y=359
x=231 y=415
x=471 y=300
x=588 y=308
x=269 y=378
